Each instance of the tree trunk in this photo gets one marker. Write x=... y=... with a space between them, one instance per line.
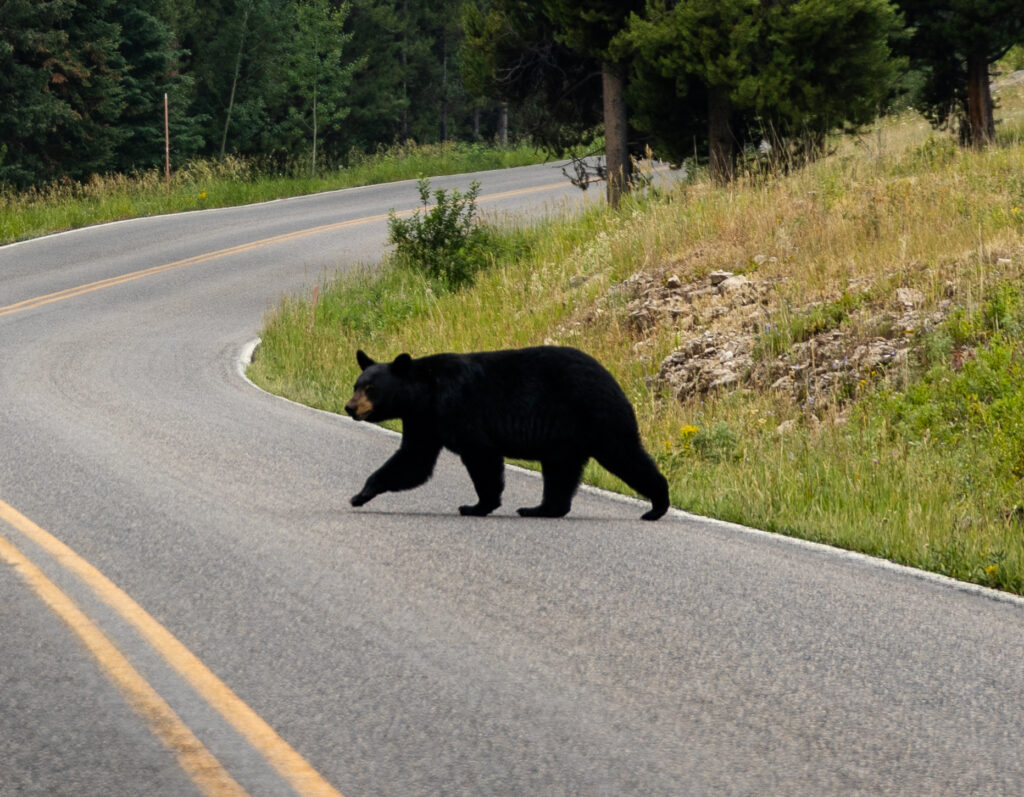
x=404 y=118
x=720 y=144
x=316 y=81
x=312 y=165
x=444 y=90
x=234 y=80
x=503 y=124
x=616 y=145
x=981 y=117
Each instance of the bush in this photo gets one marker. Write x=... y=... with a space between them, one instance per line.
x=443 y=240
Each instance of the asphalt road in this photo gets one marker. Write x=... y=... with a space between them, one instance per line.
x=188 y=604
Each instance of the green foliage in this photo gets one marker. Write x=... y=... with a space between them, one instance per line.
x=60 y=71
x=512 y=52
x=936 y=152
x=589 y=27
x=367 y=301
x=953 y=41
x=716 y=443
x=28 y=32
x=83 y=81
x=317 y=76
x=153 y=64
x=1013 y=61
x=789 y=72
x=442 y=240
x=970 y=400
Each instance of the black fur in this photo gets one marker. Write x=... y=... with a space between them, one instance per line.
x=552 y=404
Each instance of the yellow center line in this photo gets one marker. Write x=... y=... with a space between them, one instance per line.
x=98 y=285
x=205 y=771
x=306 y=781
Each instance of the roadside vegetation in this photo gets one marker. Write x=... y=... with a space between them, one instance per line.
x=232 y=180
x=873 y=301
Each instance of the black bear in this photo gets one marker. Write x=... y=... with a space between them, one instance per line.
x=548 y=403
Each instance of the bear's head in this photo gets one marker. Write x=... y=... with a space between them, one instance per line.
x=380 y=389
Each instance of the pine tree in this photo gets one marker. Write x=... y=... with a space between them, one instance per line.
x=151 y=69
x=723 y=73
x=379 y=98
x=954 y=43
x=29 y=111
x=91 y=69
x=60 y=75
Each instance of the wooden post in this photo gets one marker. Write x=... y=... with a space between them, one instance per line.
x=167 y=147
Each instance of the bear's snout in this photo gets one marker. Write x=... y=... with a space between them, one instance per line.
x=359 y=406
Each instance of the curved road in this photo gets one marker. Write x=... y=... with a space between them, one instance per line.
x=189 y=605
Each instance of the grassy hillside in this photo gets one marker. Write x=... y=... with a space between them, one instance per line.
x=835 y=354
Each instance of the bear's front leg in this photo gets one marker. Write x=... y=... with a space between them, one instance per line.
x=364 y=495
x=408 y=467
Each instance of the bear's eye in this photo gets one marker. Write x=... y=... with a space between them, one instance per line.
x=370 y=391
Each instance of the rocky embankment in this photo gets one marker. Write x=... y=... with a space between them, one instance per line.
x=736 y=331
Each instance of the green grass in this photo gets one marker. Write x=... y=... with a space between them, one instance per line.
x=232 y=181
x=923 y=465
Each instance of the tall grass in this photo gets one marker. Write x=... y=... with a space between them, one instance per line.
x=232 y=181
x=923 y=465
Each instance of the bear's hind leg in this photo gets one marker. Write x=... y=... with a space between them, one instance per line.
x=561 y=478
x=636 y=468
x=487 y=470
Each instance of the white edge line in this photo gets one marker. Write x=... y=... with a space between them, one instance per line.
x=245 y=358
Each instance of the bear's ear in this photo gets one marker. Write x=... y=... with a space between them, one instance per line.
x=401 y=364
x=363 y=360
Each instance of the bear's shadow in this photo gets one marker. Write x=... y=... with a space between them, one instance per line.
x=493 y=518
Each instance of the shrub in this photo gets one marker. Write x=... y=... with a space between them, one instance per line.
x=442 y=240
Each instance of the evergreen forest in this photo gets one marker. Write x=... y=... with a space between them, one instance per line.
x=305 y=84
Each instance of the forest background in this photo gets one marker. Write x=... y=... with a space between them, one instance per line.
x=308 y=84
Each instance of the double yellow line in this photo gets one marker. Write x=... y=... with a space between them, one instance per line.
x=110 y=282
x=206 y=772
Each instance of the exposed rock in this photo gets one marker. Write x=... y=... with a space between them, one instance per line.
x=707 y=363
x=721 y=319
x=730 y=284
x=688 y=304
x=909 y=298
